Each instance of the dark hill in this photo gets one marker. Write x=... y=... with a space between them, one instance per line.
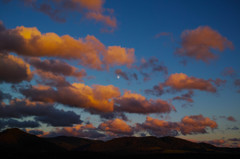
x=73 y=143
x=15 y=140
x=145 y=145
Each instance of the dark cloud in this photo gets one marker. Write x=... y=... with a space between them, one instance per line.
x=58 y=9
x=237 y=84
x=150 y=66
x=34 y=131
x=136 y=103
x=48 y=78
x=12 y=123
x=13 y=69
x=233 y=128
x=187 y=97
x=4 y=96
x=79 y=130
x=56 y=67
x=45 y=113
x=122 y=74
x=234 y=139
x=229 y=71
x=126 y=75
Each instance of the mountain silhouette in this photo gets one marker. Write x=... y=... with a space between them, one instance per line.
x=16 y=140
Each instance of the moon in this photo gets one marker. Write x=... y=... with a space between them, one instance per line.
x=118 y=76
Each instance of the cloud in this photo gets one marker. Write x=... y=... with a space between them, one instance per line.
x=237 y=84
x=78 y=130
x=195 y=124
x=117 y=56
x=56 y=67
x=216 y=142
x=150 y=66
x=13 y=69
x=4 y=96
x=126 y=75
x=12 y=123
x=89 y=51
x=187 y=97
x=122 y=74
x=116 y=127
x=234 y=139
x=199 y=43
x=136 y=103
x=229 y=118
x=95 y=99
x=48 y=78
x=42 y=112
x=158 y=127
x=89 y=9
x=98 y=99
x=229 y=71
x=181 y=81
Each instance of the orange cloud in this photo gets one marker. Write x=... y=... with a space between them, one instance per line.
x=98 y=16
x=194 y=124
x=94 y=99
x=13 y=69
x=117 y=55
x=116 y=127
x=197 y=44
x=179 y=81
x=136 y=103
x=90 y=51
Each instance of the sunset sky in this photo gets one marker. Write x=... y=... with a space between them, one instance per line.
x=103 y=69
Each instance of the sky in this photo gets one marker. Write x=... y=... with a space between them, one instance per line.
x=103 y=69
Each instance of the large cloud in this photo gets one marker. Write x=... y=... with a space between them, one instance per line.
x=13 y=69
x=98 y=99
x=195 y=124
x=12 y=123
x=198 y=43
x=43 y=112
x=136 y=103
x=90 y=51
x=57 y=67
x=181 y=81
x=95 y=99
x=90 y=9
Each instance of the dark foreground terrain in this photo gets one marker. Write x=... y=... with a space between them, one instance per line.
x=15 y=143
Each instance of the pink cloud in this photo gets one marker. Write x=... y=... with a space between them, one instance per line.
x=198 y=43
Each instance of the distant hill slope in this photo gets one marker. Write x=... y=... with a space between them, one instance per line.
x=15 y=140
